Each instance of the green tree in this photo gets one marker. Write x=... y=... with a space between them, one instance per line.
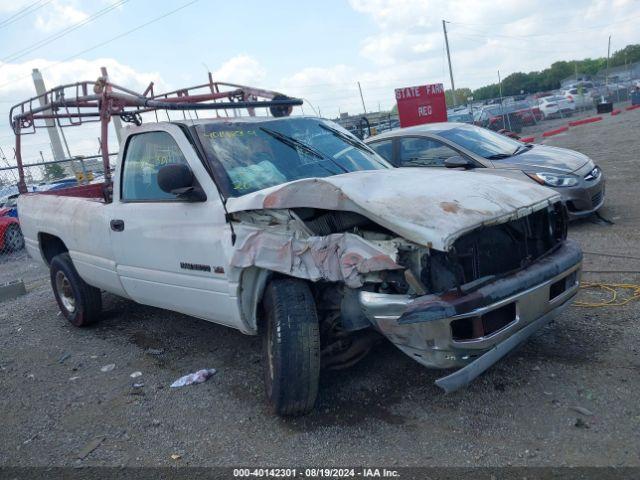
x=461 y=96
x=53 y=171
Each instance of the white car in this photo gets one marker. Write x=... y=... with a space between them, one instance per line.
x=581 y=98
x=556 y=106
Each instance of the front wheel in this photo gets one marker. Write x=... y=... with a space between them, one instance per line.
x=291 y=347
x=78 y=301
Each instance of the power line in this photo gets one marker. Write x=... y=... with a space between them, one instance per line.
x=24 y=12
x=112 y=39
x=47 y=40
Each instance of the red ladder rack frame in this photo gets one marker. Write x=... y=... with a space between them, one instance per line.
x=97 y=101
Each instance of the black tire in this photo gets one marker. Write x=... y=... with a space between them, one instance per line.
x=291 y=341
x=78 y=301
x=13 y=239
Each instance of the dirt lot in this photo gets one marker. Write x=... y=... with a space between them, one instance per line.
x=56 y=403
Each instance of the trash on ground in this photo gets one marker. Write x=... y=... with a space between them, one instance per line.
x=90 y=447
x=193 y=378
x=108 y=368
x=64 y=357
x=175 y=456
x=71 y=379
x=136 y=374
x=138 y=385
x=582 y=410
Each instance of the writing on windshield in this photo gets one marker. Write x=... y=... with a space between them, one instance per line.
x=260 y=154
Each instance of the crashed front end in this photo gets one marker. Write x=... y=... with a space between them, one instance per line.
x=463 y=299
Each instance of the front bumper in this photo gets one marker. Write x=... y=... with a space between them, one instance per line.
x=585 y=198
x=522 y=303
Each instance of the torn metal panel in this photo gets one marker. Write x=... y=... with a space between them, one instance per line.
x=427 y=206
x=425 y=327
x=338 y=257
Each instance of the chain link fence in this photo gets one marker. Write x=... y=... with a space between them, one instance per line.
x=52 y=175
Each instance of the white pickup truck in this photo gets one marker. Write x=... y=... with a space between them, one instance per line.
x=293 y=229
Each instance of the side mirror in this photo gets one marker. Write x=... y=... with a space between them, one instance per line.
x=458 y=161
x=178 y=179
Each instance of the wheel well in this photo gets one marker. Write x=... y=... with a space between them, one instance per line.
x=50 y=246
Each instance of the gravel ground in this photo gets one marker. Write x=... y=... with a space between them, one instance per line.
x=58 y=408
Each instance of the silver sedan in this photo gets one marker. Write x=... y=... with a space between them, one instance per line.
x=458 y=145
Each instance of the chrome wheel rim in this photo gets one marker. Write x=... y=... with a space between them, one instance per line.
x=65 y=292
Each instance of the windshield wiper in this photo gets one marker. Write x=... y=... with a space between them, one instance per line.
x=297 y=144
x=499 y=156
x=350 y=141
x=523 y=148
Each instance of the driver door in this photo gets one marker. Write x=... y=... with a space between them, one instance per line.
x=169 y=251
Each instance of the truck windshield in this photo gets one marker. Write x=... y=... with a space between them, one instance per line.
x=260 y=154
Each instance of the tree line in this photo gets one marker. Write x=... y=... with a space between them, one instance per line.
x=547 y=79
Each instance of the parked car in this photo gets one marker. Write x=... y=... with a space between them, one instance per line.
x=498 y=117
x=582 y=98
x=556 y=106
x=11 y=238
x=294 y=229
x=463 y=116
x=9 y=207
x=573 y=175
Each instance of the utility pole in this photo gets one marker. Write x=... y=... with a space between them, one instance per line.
x=446 y=42
x=362 y=98
x=56 y=145
x=606 y=78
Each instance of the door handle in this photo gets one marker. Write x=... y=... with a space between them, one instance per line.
x=117 y=225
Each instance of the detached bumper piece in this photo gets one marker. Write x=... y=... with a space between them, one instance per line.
x=477 y=329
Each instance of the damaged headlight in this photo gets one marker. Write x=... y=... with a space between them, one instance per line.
x=553 y=179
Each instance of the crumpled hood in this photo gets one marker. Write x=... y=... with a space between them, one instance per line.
x=428 y=207
x=545 y=158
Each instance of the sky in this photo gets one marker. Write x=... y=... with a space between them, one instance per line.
x=317 y=50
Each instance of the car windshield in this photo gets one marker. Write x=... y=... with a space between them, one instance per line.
x=260 y=154
x=482 y=142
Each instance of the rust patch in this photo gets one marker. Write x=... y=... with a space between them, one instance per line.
x=450 y=207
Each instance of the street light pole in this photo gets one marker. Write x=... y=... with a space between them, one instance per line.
x=446 y=42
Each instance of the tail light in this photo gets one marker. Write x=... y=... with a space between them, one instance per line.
x=570 y=98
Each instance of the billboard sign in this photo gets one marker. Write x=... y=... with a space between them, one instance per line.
x=423 y=104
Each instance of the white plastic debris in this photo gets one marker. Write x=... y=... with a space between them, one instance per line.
x=136 y=374
x=108 y=368
x=193 y=378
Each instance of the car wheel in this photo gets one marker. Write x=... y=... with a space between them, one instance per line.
x=13 y=238
x=78 y=301
x=291 y=341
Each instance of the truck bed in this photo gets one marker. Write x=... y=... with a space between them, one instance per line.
x=93 y=191
x=80 y=221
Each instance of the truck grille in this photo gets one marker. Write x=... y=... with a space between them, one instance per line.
x=496 y=250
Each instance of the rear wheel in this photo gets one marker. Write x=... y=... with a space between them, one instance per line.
x=78 y=301
x=13 y=238
x=291 y=347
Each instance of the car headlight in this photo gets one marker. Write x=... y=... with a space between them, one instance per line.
x=553 y=179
